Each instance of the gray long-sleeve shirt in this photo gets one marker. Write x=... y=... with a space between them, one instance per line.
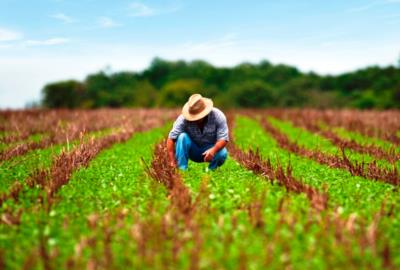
x=215 y=129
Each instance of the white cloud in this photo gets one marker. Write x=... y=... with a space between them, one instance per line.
x=139 y=9
x=107 y=22
x=64 y=18
x=47 y=42
x=9 y=35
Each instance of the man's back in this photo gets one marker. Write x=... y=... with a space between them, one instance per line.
x=215 y=128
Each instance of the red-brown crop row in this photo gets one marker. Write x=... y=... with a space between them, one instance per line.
x=182 y=207
x=60 y=126
x=64 y=164
x=253 y=161
x=367 y=170
x=381 y=124
x=310 y=119
x=167 y=234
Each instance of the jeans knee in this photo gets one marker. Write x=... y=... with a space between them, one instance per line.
x=183 y=136
x=222 y=154
x=184 y=140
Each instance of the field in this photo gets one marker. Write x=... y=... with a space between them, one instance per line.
x=301 y=189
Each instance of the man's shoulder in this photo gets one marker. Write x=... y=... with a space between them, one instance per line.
x=180 y=119
x=219 y=115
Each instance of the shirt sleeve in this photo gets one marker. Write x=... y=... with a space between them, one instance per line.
x=222 y=127
x=178 y=128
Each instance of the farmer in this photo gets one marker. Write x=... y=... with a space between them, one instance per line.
x=200 y=134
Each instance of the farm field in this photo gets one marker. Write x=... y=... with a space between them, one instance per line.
x=301 y=189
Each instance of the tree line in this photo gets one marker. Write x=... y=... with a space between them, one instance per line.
x=170 y=83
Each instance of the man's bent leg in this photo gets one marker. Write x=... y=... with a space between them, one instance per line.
x=182 y=148
x=218 y=159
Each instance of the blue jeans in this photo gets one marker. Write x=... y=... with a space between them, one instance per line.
x=186 y=149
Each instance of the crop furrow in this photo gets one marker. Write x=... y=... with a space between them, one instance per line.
x=161 y=170
x=307 y=122
x=369 y=149
x=382 y=125
x=63 y=126
x=114 y=181
x=182 y=207
x=253 y=161
x=370 y=170
x=64 y=164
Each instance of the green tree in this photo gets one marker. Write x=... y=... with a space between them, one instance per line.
x=145 y=94
x=64 y=94
x=98 y=87
x=176 y=93
x=253 y=94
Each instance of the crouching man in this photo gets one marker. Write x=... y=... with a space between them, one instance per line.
x=200 y=134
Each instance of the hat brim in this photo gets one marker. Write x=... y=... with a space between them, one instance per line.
x=194 y=117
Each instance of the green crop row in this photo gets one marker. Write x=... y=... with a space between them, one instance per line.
x=347 y=193
x=352 y=193
x=20 y=167
x=33 y=138
x=275 y=244
x=364 y=140
x=114 y=179
x=314 y=141
x=111 y=215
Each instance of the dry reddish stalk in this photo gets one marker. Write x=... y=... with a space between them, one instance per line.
x=67 y=162
x=346 y=230
x=63 y=166
x=182 y=206
x=253 y=161
x=59 y=175
x=23 y=148
x=2 y=262
x=11 y=218
x=370 y=171
x=61 y=126
x=255 y=211
x=162 y=171
x=309 y=120
x=12 y=193
x=381 y=124
x=369 y=149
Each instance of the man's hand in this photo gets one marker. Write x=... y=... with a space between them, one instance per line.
x=171 y=152
x=172 y=163
x=209 y=154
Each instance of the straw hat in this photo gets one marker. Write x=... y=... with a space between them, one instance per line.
x=197 y=107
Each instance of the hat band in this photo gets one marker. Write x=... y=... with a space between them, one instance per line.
x=198 y=107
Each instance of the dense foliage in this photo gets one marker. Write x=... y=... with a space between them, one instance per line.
x=168 y=84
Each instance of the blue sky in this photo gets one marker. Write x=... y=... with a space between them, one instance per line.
x=47 y=40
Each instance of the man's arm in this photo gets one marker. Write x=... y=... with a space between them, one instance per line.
x=222 y=136
x=177 y=129
x=210 y=153
x=171 y=151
